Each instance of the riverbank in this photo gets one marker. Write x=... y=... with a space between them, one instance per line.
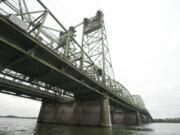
x=18 y=117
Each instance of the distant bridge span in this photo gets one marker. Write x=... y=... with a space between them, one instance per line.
x=74 y=81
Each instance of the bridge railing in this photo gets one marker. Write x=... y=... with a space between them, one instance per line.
x=39 y=22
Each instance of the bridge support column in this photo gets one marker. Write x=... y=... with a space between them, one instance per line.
x=145 y=119
x=126 y=117
x=117 y=117
x=105 y=113
x=82 y=112
x=132 y=117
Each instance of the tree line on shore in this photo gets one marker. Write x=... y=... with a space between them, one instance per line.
x=167 y=120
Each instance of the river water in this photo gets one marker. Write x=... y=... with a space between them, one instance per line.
x=13 y=126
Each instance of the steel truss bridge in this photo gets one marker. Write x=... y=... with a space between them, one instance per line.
x=41 y=59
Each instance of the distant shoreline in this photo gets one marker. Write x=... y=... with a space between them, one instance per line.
x=18 y=117
x=167 y=120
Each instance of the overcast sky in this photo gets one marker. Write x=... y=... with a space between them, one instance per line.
x=144 y=42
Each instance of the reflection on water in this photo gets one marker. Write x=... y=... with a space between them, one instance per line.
x=12 y=126
x=145 y=129
x=47 y=129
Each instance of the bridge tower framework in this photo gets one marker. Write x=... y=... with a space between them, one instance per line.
x=95 y=45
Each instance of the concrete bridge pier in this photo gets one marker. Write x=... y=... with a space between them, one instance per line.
x=117 y=117
x=132 y=117
x=146 y=119
x=126 y=117
x=80 y=112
